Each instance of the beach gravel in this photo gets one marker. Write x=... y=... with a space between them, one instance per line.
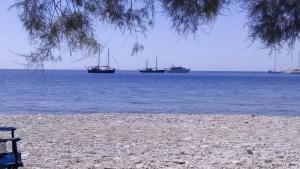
x=148 y=141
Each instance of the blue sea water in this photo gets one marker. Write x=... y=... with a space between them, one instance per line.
x=76 y=91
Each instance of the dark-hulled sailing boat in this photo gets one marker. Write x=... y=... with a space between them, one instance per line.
x=275 y=65
x=101 y=69
x=152 y=70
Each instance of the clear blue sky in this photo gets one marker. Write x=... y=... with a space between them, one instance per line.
x=223 y=45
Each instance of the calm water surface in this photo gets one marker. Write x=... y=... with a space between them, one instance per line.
x=65 y=92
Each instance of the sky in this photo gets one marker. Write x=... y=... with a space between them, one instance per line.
x=221 y=46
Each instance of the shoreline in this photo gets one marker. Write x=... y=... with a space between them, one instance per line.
x=150 y=113
x=142 y=140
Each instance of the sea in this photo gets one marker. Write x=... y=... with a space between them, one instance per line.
x=76 y=91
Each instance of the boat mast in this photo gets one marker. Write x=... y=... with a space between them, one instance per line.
x=275 y=60
x=299 y=60
x=147 y=63
x=99 y=58
x=156 y=63
x=108 y=58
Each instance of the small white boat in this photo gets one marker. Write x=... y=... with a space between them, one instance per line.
x=294 y=71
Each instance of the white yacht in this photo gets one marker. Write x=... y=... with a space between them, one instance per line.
x=177 y=69
x=294 y=71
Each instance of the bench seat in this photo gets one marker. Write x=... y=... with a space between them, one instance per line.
x=8 y=160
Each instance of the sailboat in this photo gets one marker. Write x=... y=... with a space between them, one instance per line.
x=151 y=70
x=275 y=65
x=101 y=69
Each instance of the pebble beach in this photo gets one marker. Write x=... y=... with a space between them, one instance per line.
x=169 y=141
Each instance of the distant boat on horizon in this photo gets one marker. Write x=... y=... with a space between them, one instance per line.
x=101 y=69
x=275 y=65
x=294 y=71
x=177 y=69
x=272 y=71
x=147 y=69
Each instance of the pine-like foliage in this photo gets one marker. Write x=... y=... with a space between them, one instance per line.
x=52 y=23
